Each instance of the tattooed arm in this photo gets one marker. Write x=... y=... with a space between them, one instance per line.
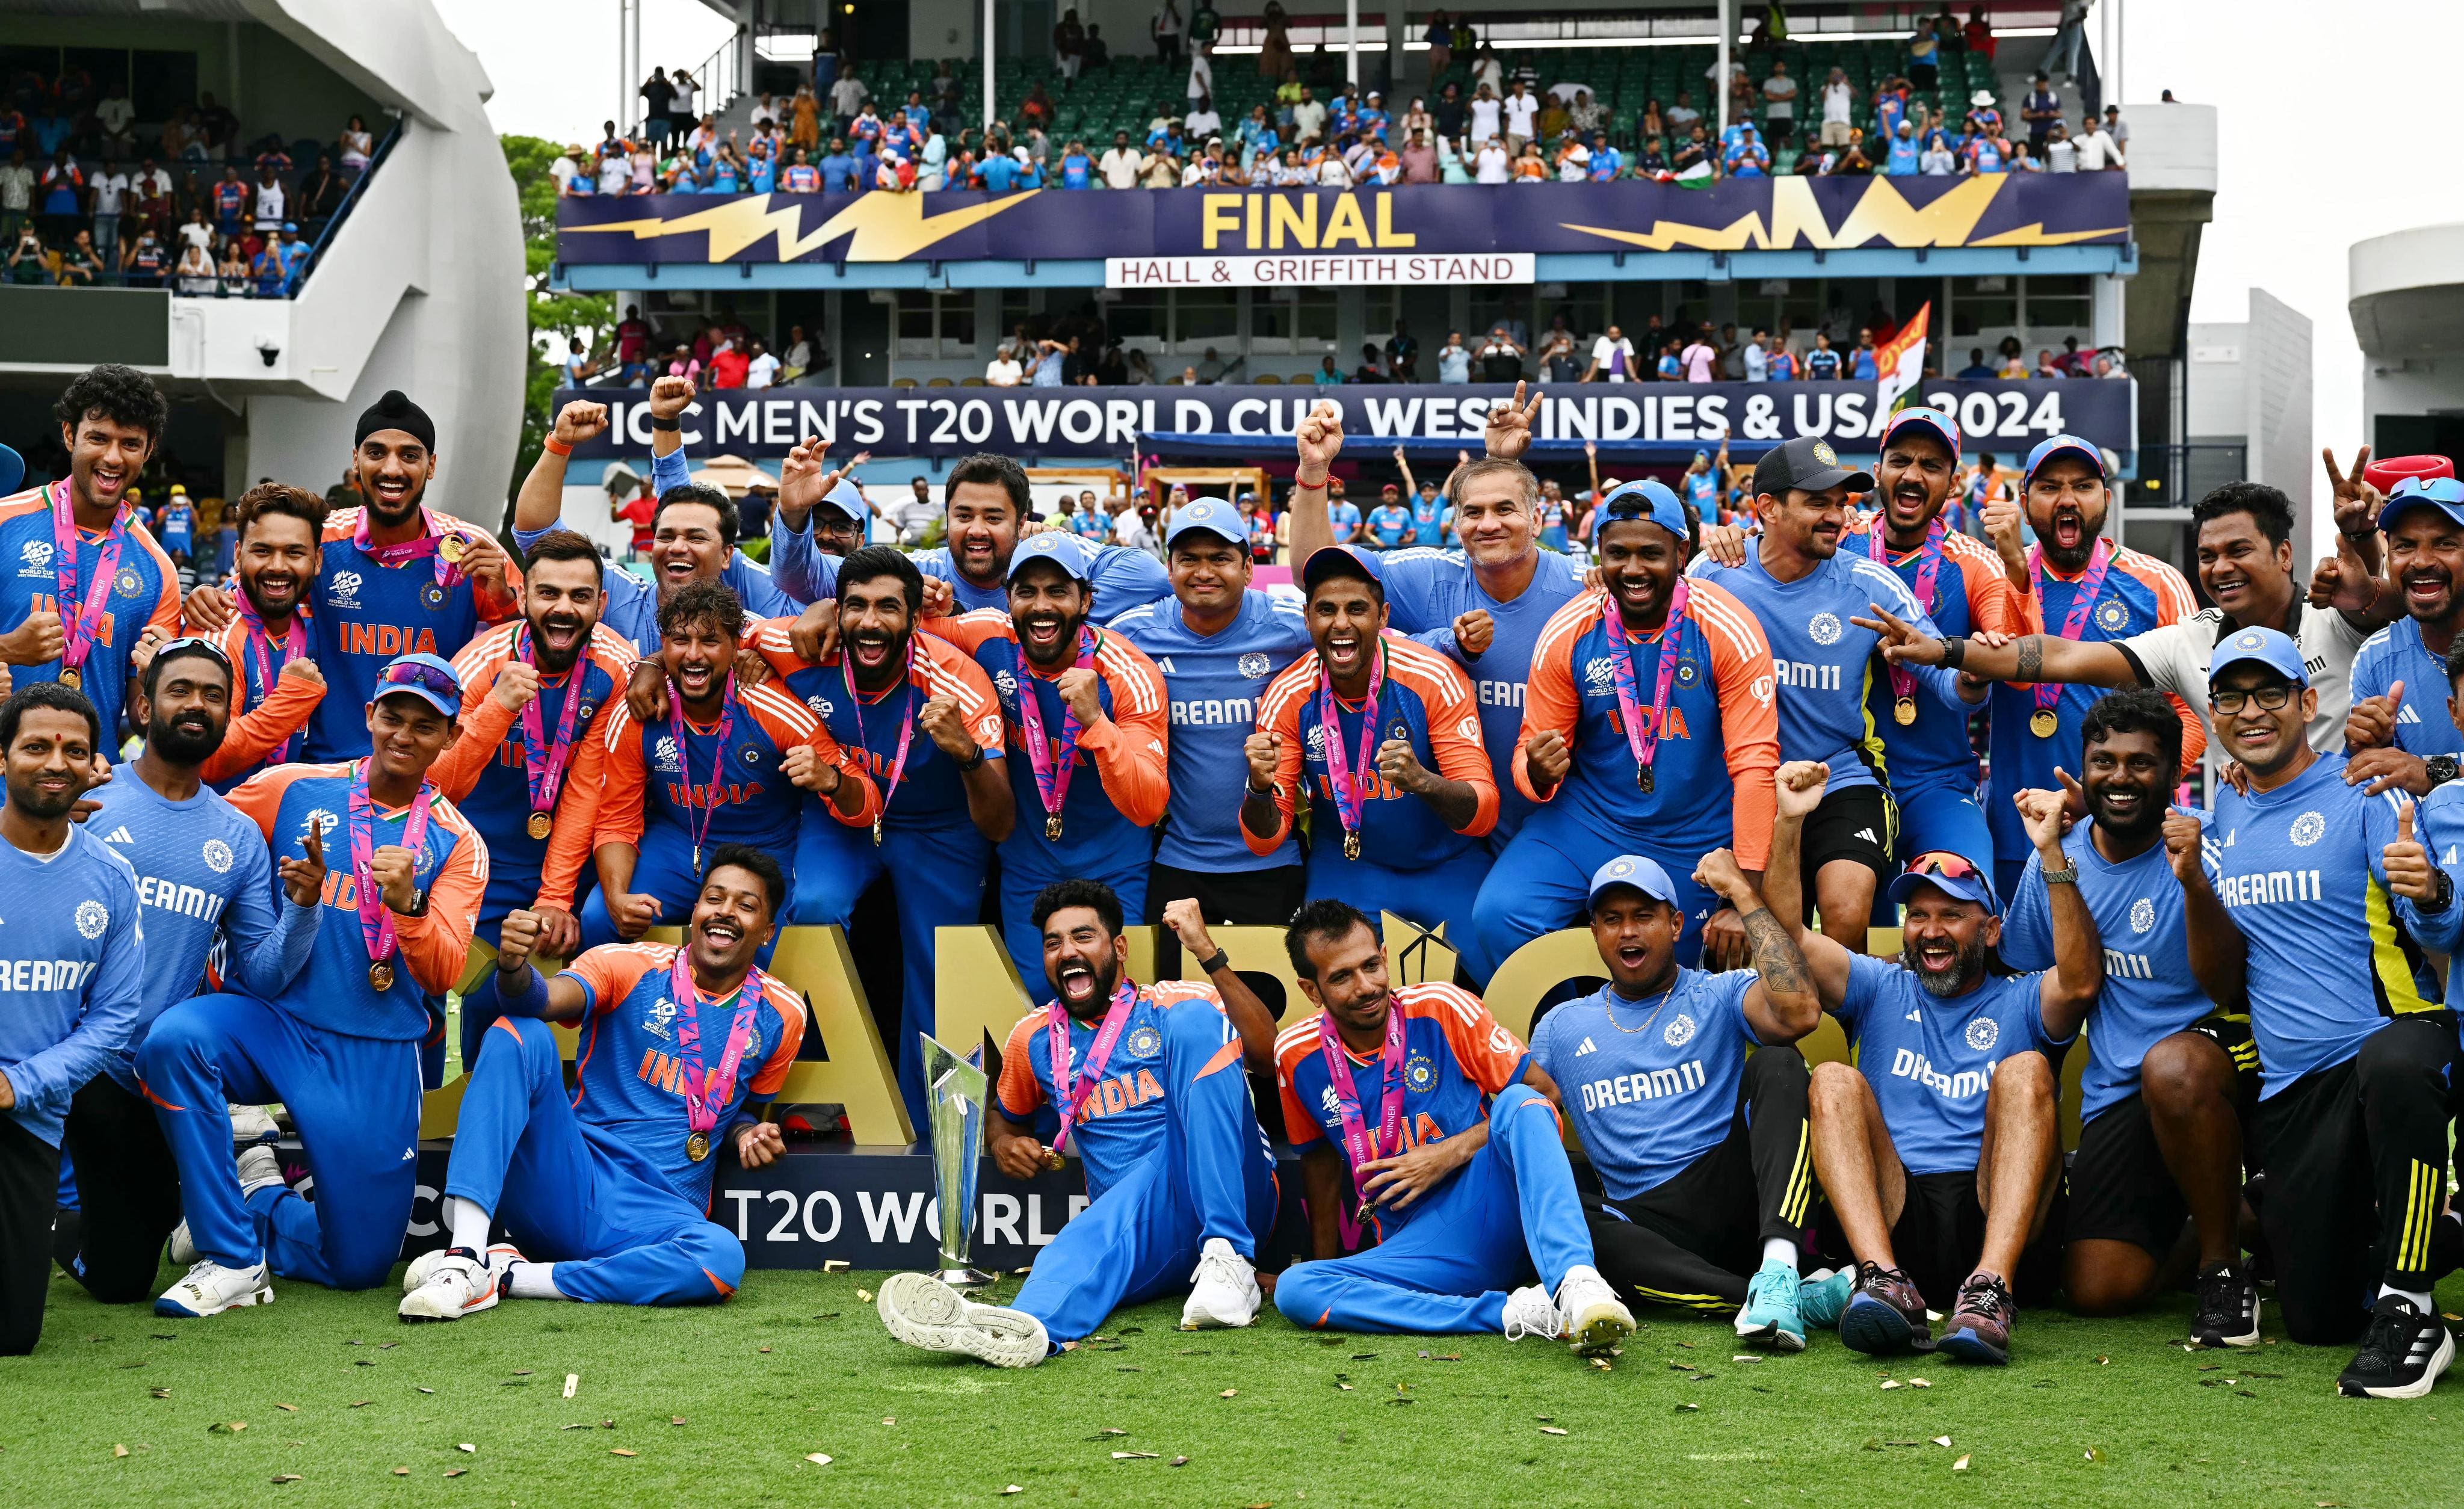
x=2028 y=658
x=1782 y=1005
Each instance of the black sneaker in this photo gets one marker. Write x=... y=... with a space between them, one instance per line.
x=1979 y=1327
x=2228 y=1307
x=2402 y=1355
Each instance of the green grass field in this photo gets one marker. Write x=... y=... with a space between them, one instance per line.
x=721 y=1407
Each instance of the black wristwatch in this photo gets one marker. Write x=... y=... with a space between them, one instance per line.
x=973 y=762
x=1954 y=650
x=670 y=424
x=1223 y=956
x=2442 y=768
x=2444 y=897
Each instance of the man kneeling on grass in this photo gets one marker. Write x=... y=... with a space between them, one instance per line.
x=606 y=1192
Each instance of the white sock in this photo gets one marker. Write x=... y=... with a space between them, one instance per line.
x=1780 y=1250
x=466 y=1224
x=533 y=1281
x=2420 y=1300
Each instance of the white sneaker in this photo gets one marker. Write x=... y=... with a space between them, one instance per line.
x=922 y=1311
x=211 y=1289
x=258 y=1167
x=458 y=1284
x=1226 y=1288
x=253 y=1124
x=1590 y=1315
x=1530 y=1312
x=182 y=1246
x=422 y=1268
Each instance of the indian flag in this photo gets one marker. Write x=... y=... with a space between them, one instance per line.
x=1900 y=364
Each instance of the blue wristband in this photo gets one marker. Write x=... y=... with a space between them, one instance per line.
x=531 y=1001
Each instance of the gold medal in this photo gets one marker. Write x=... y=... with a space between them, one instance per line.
x=1360 y=1216
x=540 y=824
x=1905 y=711
x=876 y=833
x=71 y=677
x=1052 y=828
x=697 y=1147
x=1644 y=780
x=453 y=547
x=1052 y=1159
x=381 y=975
x=1351 y=843
x=2042 y=723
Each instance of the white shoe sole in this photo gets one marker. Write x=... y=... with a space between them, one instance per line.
x=430 y=1304
x=924 y=1312
x=165 y=1305
x=416 y=1273
x=2248 y=1338
x=2428 y=1380
x=1196 y=1317
x=1597 y=1327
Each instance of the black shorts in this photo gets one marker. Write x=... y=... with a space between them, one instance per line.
x=1858 y=824
x=2118 y=1187
x=1940 y=1234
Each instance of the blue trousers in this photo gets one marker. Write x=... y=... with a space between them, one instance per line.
x=1438 y=896
x=936 y=877
x=571 y=1194
x=665 y=870
x=356 y=1102
x=1212 y=1176
x=1944 y=815
x=1540 y=883
x=1510 y=1212
x=1019 y=885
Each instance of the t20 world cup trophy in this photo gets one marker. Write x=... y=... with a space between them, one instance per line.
x=954 y=1110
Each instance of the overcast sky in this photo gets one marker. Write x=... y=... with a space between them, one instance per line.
x=2310 y=159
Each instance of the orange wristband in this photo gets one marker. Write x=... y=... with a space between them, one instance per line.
x=555 y=447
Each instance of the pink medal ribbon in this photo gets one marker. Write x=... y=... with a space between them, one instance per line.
x=1358 y=1148
x=1641 y=734
x=1903 y=680
x=706 y=1090
x=430 y=542
x=2091 y=582
x=81 y=614
x=1069 y=1091
x=1051 y=767
x=260 y=646
x=543 y=763
x=905 y=728
x=681 y=732
x=376 y=919
x=1350 y=793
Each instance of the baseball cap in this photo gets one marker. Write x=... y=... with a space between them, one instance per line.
x=1059 y=549
x=1210 y=516
x=1393 y=488
x=2446 y=494
x=1927 y=420
x=2271 y=648
x=2064 y=445
x=1633 y=869
x=1808 y=464
x=431 y=678
x=1954 y=875
x=1341 y=560
x=1645 y=499
x=848 y=498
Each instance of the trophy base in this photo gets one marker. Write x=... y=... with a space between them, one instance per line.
x=966 y=1281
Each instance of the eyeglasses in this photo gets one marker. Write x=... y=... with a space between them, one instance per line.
x=1945 y=863
x=2271 y=698
x=426 y=678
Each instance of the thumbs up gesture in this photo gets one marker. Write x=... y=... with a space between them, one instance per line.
x=2409 y=870
x=2371 y=724
x=2369 y=730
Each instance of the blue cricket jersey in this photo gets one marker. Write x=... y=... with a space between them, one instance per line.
x=1121 y=578
x=1931 y=1061
x=366 y=615
x=144 y=591
x=72 y=972
x=1650 y=1084
x=2396 y=653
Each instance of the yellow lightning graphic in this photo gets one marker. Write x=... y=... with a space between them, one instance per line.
x=1880 y=213
x=885 y=226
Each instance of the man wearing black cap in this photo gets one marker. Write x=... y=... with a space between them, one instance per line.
x=1814 y=605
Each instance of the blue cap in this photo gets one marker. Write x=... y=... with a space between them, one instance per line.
x=1954 y=875
x=1647 y=500
x=2064 y=445
x=848 y=498
x=1341 y=560
x=1053 y=546
x=1633 y=869
x=1213 y=515
x=290 y=226
x=2446 y=494
x=431 y=678
x=2271 y=648
x=1932 y=422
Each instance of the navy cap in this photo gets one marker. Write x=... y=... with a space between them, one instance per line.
x=1053 y=546
x=2446 y=494
x=2064 y=445
x=1926 y=420
x=848 y=498
x=1806 y=463
x=1645 y=499
x=2271 y=648
x=1633 y=869
x=1210 y=516
x=1954 y=875
x=1342 y=561
x=431 y=678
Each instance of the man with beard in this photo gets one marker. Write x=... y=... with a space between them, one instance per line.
x=1690 y=1104
x=206 y=882
x=72 y=969
x=1932 y=760
x=394 y=577
x=529 y=766
x=1216 y=643
x=1939 y=1147
x=2162 y=1097
x=84 y=578
x=2395 y=740
x=1144 y=1085
x=1463 y=1187
x=338 y=1046
x=1811 y=601
x=1661 y=744
x=1483 y=607
x=1077 y=700
x=605 y=1190
x=2309 y=894
x=945 y=798
x=1381 y=739
x=659 y=813
x=275 y=677
x=986 y=502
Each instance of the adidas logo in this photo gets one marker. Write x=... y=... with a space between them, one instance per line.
x=119 y=835
x=1587 y=1047
x=2406 y=715
x=1916 y=1015
x=1867 y=834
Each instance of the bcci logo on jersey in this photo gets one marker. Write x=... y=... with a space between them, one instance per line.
x=2143 y=914
x=129 y=582
x=1144 y=1043
x=663 y=755
x=2113 y=616
x=345 y=592
x=1824 y=628
x=1257 y=668
x=92 y=918
x=1982 y=1033
x=1678 y=1032
x=1419 y=1072
x=657 y=1021
x=218 y=856
x=2308 y=829
x=36 y=553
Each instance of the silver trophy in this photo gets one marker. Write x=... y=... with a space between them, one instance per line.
x=955 y=1113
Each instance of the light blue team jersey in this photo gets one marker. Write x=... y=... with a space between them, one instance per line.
x=1826 y=664
x=1931 y=1061
x=72 y=972
x=2333 y=956
x=2149 y=992
x=1430 y=517
x=1651 y=1085
x=1702 y=491
x=2396 y=653
x=1122 y=578
x=1344 y=519
x=1215 y=682
x=1390 y=523
x=202 y=872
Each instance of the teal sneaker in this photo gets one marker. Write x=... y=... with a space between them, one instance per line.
x=1822 y=1296
x=1769 y=1318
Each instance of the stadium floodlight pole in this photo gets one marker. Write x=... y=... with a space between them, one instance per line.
x=628 y=58
x=988 y=64
x=1352 y=42
x=1720 y=88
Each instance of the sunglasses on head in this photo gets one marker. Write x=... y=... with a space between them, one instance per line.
x=427 y=678
x=2438 y=490
x=191 y=644
x=1947 y=866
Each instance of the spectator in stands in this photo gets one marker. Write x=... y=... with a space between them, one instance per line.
x=1681 y=117
x=762 y=371
x=1821 y=364
x=1574 y=159
x=1454 y=360
x=1865 y=363
x=658 y=99
x=1779 y=102
x=1693 y=159
x=2120 y=129
x=1938 y=160
x=79 y=265
x=1902 y=158
x=1530 y=168
x=143 y=260
x=1202 y=122
x=1522 y=112
x=1500 y=356
x=232 y=270
x=29 y=262
x=61 y=196
x=1326 y=375
x=1976 y=370
x=1308 y=118
x=1554 y=120
x=1158 y=168
x=1748 y=158
x=2040 y=109
x=107 y=192
x=2096 y=146
x=196 y=271
x=1491 y=164
x=1419 y=160
x=1612 y=358
x=1923 y=59
x=1838 y=108
x=848 y=97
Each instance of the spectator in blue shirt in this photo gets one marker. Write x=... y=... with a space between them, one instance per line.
x=1077 y=169
x=838 y=169
x=1606 y=161
x=1390 y=522
x=1976 y=371
x=1748 y=159
x=1327 y=376
x=1905 y=159
x=1864 y=365
x=919 y=114
x=1821 y=364
x=1454 y=360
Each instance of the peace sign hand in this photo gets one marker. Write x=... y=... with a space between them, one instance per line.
x=2356 y=501
x=1508 y=432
